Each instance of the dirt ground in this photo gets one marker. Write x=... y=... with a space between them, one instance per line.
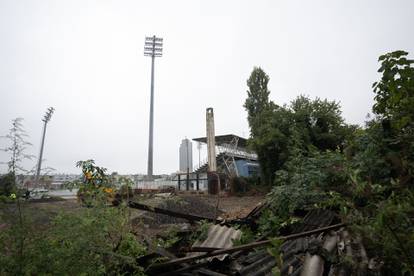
x=234 y=206
x=204 y=205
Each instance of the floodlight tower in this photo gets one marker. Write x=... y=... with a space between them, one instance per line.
x=45 y=120
x=152 y=48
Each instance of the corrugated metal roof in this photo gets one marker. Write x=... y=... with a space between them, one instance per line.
x=218 y=237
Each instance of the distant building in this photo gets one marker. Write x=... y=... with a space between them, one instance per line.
x=186 y=156
x=58 y=180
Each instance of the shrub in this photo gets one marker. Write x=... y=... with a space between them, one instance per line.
x=7 y=184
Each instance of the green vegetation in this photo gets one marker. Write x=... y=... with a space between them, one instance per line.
x=312 y=158
x=17 y=151
x=7 y=185
x=17 y=146
x=95 y=187
x=201 y=231
x=91 y=241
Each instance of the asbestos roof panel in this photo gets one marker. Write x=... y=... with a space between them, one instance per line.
x=314 y=219
x=294 y=251
x=218 y=237
x=256 y=263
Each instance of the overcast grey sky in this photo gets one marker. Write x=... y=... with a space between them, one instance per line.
x=85 y=58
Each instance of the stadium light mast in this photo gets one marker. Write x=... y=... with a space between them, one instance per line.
x=45 y=120
x=152 y=48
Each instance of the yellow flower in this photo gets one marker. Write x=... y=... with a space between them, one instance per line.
x=88 y=175
x=108 y=190
x=13 y=196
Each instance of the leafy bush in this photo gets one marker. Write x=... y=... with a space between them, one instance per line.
x=241 y=185
x=95 y=186
x=388 y=230
x=91 y=241
x=7 y=184
x=88 y=241
x=124 y=187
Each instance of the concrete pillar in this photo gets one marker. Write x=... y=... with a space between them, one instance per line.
x=211 y=142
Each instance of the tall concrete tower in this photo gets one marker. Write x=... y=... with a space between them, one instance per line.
x=186 y=156
x=211 y=140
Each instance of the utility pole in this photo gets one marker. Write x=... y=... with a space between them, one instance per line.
x=45 y=120
x=152 y=48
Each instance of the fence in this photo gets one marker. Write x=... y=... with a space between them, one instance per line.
x=155 y=184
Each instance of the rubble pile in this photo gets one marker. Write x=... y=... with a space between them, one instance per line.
x=314 y=247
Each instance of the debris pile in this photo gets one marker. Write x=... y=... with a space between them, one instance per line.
x=318 y=245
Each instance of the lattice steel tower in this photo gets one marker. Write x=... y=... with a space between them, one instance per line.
x=152 y=48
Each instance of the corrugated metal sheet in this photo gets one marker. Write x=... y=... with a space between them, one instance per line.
x=218 y=237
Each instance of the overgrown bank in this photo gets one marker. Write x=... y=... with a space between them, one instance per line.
x=312 y=158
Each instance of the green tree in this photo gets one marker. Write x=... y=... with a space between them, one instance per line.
x=394 y=107
x=257 y=101
x=320 y=123
x=271 y=141
x=395 y=91
x=278 y=132
x=17 y=148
